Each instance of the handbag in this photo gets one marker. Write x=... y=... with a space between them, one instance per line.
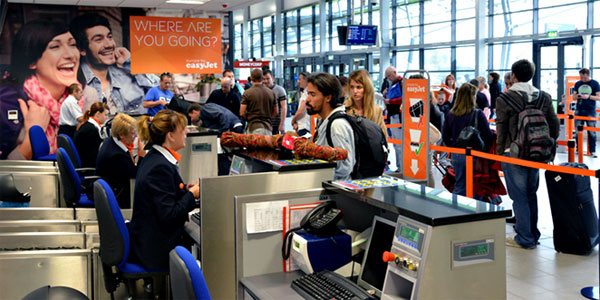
x=470 y=136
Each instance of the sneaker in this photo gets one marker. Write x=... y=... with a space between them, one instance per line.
x=594 y=155
x=510 y=241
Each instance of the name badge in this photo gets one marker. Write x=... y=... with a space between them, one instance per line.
x=13 y=115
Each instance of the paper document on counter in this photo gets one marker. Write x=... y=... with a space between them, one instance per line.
x=264 y=216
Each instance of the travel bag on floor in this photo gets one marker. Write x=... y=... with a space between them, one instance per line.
x=573 y=211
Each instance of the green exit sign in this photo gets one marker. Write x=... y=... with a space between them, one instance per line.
x=552 y=34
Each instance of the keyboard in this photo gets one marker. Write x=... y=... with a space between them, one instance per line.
x=196 y=218
x=328 y=285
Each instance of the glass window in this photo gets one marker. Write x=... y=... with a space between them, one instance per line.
x=548 y=3
x=406 y=15
x=291 y=18
x=436 y=78
x=465 y=30
x=437 y=59
x=334 y=35
x=465 y=9
x=437 y=11
x=548 y=57
x=306 y=38
x=513 y=24
x=465 y=58
x=267 y=23
x=438 y=33
x=306 y=15
x=407 y=60
x=237 y=34
x=339 y=8
x=407 y=36
x=512 y=6
x=462 y=77
x=563 y=18
x=574 y=56
x=506 y=54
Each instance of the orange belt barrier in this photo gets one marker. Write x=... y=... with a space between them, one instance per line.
x=563 y=116
x=395 y=141
x=492 y=121
x=447 y=149
x=562 y=143
x=393 y=125
x=591 y=128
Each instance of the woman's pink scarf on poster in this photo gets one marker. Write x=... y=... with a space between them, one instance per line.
x=42 y=97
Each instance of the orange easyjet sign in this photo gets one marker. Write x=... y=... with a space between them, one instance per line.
x=176 y=45
x=415 y=124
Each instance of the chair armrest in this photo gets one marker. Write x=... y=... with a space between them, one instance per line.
x=85 y=171
x=91 y=177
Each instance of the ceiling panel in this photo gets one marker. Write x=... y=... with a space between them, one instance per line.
x=141 y=3
x=179 y=6
x=20 y=1
x=57 y=2
x=100 y=2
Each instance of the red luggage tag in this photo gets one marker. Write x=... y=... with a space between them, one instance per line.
x=288 y=142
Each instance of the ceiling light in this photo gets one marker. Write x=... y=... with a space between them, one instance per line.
x=185 y=1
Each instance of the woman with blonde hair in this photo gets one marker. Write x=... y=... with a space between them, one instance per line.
x=361 y=100
x=88 y=137
x=115 y=162
x=161 y=199
x=464 y=113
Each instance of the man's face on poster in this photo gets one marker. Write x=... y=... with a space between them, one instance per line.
x=101 y=46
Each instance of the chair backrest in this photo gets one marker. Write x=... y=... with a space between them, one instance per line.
x=69 y=179
x=64 y=141
x=187 y=281
x=114 y=237
x=39 y=142
x=55 y=293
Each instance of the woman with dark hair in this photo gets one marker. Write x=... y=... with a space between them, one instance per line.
x=463 y=114
x=88 y=137
x=161 y=199
x=44 y=62
x=495 y=90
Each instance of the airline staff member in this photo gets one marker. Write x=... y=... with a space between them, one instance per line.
x=161 y=199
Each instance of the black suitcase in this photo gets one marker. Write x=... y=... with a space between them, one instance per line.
x=573 y=211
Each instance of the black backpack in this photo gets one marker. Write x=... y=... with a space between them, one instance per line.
x=179 y=104
x=370 y=145
x=470 y=135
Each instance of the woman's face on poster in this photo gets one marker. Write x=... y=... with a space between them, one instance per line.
x=59 y=62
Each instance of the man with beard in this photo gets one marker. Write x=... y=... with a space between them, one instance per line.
x=106 y=69
x=324 y=91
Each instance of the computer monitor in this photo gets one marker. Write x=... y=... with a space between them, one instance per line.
x=372 y=273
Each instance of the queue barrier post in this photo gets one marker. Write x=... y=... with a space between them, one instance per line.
x=570 y=126
x=580 y=144
x=469 y=173
x=571 y=147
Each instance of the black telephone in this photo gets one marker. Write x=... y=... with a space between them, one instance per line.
x=321 y=220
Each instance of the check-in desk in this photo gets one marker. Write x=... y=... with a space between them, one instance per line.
x=217 y=209
x=39 y=178
x=447 y=246
x=199 y=156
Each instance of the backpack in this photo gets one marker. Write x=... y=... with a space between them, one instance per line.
x=533 y=141
x=470 y=136
x=370 y=145
x=179 y=104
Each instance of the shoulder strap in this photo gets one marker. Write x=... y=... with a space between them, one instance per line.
x=541 y=100
x=336 y=115
x=474 y=117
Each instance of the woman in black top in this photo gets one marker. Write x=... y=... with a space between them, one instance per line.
x=115 y=162
x=495 y=90
x=161 y=200
x=460 y=116
x=87 y=139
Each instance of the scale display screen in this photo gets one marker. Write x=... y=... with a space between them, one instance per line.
x=474 y=250
x=409 y=234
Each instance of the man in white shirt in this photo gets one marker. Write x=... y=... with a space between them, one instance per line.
x=70 y=112
x=324 y=92
x=301 y=120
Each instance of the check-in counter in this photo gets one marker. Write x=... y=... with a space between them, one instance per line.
x=217 y=210
x=199 y=156
x=257 y=161
x=39 y=178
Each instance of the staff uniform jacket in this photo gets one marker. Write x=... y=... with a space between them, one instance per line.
x=161 y=206
x=12 y=133
x=87 y=140
x=115 y=165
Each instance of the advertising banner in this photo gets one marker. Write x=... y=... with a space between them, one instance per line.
x=175 y=45
x=415 y=124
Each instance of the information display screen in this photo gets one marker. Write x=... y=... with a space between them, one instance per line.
x=474 y=250
x=362 y=35
x=409 y=234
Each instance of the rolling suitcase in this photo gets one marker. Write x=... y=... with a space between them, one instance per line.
x=573 y=211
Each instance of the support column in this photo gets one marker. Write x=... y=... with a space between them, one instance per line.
x=278 y=68
x=480 y=35
x=384 y=52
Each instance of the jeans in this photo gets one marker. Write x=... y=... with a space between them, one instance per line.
x=522 y=184
x=397 y=134
x=591 y=134
x=459 y=163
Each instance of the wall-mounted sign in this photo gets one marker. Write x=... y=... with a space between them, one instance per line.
x=176 y=45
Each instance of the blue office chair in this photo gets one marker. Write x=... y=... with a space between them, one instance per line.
x=70 y=182
x=39 y=144
x=65 y=142
x=114 y=243
x=187 y=281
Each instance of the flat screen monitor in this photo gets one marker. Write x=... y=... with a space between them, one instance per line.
x=361 y=35
x=372 y=273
